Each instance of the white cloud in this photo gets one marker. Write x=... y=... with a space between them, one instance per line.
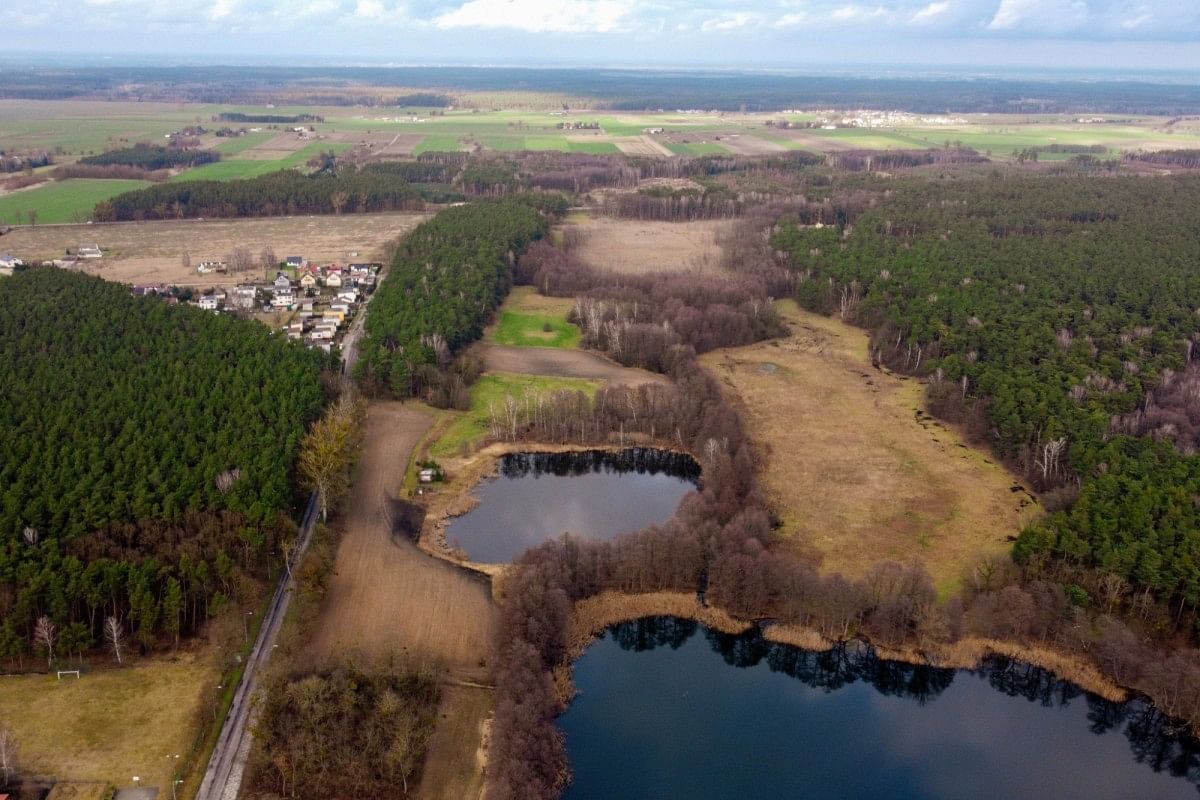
x=857 y=13
x=222 y=9
x=369 y=9
x=729 y=22
x=931 y=11
x=541 y=16
x=1040 y=15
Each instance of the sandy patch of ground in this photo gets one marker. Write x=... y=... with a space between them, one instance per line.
x=151 y=252
x=560 y=363
x=854 y=468
x=634 y=246
x=457 y=750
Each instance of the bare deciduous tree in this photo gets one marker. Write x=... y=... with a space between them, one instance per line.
x=114 y=634
x=8 y=755
x=186 y=260
x=268 y=259
x=227 y=479
x=240 y=259
x=45 y=634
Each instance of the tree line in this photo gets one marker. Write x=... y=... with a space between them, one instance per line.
x=445 y=282
x=285 y=192
x=147 y=458
x=152 y=157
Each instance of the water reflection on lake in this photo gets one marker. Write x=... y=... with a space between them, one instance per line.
x=670 y=709
x=595 y=494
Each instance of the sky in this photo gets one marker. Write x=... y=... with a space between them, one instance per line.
x=1032 y=34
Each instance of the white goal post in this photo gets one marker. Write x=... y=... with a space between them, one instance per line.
x=74 y=672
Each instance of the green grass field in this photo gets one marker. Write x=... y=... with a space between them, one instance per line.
x=440 y=143
x=235 y=169
x=237 y=144
x=595 y=148
x=535 y=330
x=64 y=201
x=490 y=392
x=695 y=148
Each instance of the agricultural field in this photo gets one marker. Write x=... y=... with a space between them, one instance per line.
x=110 y=724
x=528 y=319
x=63 y=201
x=151 y=252
x=256 y=161
x=852 y=463
x=636 y=246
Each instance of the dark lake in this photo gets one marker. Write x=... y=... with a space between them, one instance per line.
x=670 y=709
x=593 y=494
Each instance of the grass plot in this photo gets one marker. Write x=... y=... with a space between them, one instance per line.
x=528 y=319
x=108 y=725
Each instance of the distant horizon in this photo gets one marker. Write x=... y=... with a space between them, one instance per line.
x=1141 y=36
x=15 y=59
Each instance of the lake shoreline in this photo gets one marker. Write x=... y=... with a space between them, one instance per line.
x=591 y=616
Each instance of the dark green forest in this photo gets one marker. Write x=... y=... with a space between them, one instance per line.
x=1057 y=318
x=444 y=284
x=147 y=457
x=286 y=192
x=152 y=157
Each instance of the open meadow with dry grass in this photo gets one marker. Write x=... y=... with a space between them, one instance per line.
x=854 y=468
x=636 y=247
x=110 y=724
x=152 y=252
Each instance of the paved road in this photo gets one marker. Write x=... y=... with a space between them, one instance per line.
x=223 y=778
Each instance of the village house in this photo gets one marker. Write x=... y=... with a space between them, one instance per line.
x=296 y=262
x=205 y=267
x=333 y=278
x=308 y=280
x=244 y=296
x=210 y=302
x=283 y=299
x=282 y=283
x=10 y=262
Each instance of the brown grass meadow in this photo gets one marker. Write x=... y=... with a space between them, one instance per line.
x=852 y=465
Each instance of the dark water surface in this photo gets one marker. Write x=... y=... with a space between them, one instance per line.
x=594 y=494
x=670 y=709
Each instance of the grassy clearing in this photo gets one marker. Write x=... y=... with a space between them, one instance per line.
x=593 y=148
x=695 y=148
x=439 y=143
x=237 y=144
x=528 y=319
x=851 y=465
x=238 y=169
x=63 y=201
x=109 y=725
x=472 y=426
x=520 y=329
